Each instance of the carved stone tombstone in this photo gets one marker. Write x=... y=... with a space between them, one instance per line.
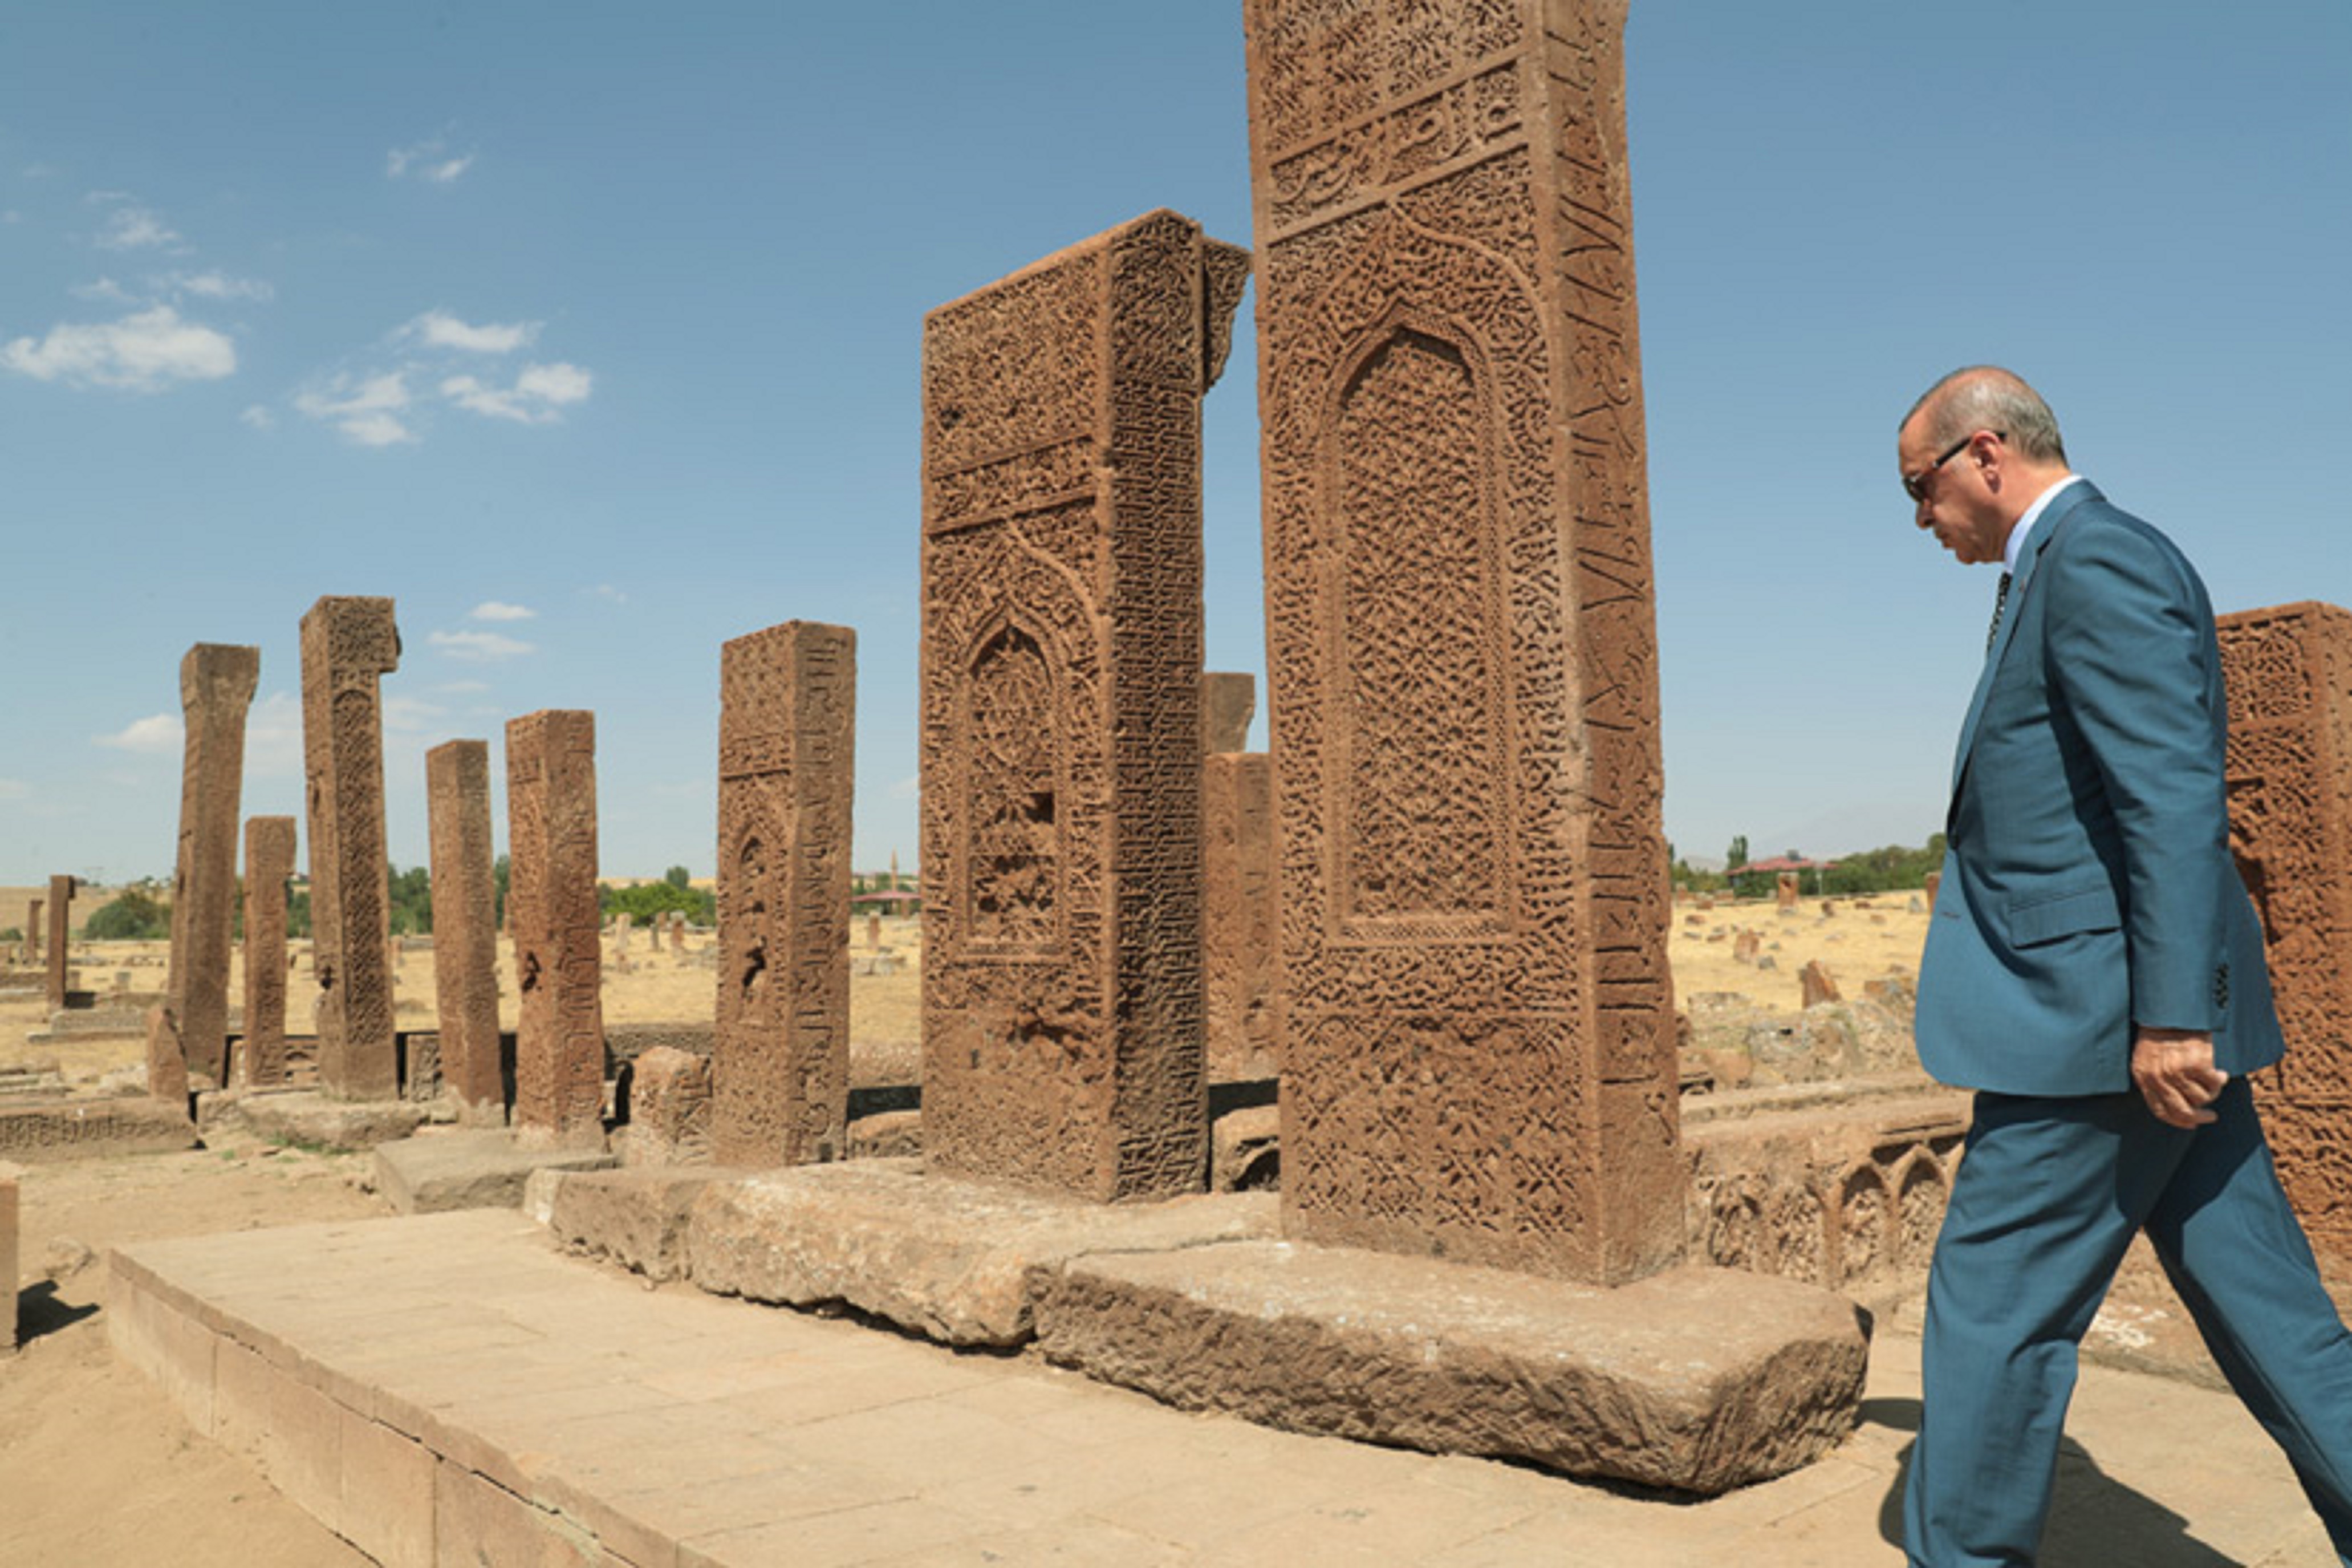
x=1478 y=1054
x=465 y=928
x=780 y=1055
x=33 y=930
x=268 y=862
x=1786 y=888
x=2289 y=674
x=551 y=904
x=348 y=645
x=61 y=896
x=1061 y=713
x=1228 y=703
x=1238 y=938
x=217 y=683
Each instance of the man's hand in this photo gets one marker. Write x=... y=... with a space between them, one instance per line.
x=2175 y=1073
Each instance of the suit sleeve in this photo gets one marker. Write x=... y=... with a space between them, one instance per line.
x=2131 y=655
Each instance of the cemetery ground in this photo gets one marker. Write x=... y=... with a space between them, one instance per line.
x=101 y=1470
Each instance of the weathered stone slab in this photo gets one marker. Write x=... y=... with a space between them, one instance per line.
x=468 y=1168
x=1061 y=713
x=465 y=928
x=2289 y=673
x=217 y=683
x=268 y=862
x=303 y=1117
x=558 y=1090
x=1477 y=1033
x=638 y=1217
x=61 y=902
x=1239 y=939
x=787 y=734
x=946 y=1259
x=93 y=1128
x=670 y=1110
x=1697 y=1379
x=348 y=644
x=9 y=1178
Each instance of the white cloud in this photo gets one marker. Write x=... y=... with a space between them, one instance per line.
x=478 y=647
x=273 y=737
x=492 y=610
x=534 y=399
x=216 y=285
x=15 y=789
x=143 y=351
x=424 y=161
x=134 y=227
x=157 y=733
x=106 y=290
x=260 y=418
x=367 y=410
x=410 y=714
x=442 y=331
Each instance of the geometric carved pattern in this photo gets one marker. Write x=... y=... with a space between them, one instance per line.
x=348 y=644
x=779 y=1058
x=2289 y=675
x=217 y=683
x=1061 y=714
x=465 y=928
x=552 y=908
x=1237 y=951
x=1478 y=1050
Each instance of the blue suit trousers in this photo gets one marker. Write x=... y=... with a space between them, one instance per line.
x=2049 y=1195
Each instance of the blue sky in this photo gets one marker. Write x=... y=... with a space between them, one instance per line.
x=589 y=333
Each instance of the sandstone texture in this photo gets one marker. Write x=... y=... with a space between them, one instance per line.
x=637 y=1217
x=952 y=1260
x=300 y=1116
x=482 y=1168
x=1696 y=1379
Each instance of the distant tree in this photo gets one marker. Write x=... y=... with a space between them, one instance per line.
x=298 y=913
x=499 y=870
x=411 y=895
x=134 y=916
x=678 y=877
x=1737 y=856
x=649 y=900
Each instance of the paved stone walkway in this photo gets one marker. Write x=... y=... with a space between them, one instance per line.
x=449 y=1388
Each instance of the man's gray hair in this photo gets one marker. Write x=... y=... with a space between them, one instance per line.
x=1986 y=397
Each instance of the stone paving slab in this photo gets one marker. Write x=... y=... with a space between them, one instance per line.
x=1698 y=1379
x=449 y=1388
x=469 y=1168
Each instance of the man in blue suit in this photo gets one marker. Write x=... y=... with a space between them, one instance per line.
x=2095 y=972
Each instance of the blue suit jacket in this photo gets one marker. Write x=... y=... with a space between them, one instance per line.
x=2088 y=884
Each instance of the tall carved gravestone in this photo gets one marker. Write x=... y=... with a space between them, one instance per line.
x=348 y=644
x=216 y=682
x=558 y=946
x=33 y=907
x=465 y=927
x=780 y=1055
x=1237 y=934
x=61 y=896
x=1478 y=1045
x=268 y=862
x=1061 y=713
x=2289 y=673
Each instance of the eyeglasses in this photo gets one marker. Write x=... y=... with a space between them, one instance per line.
x=1916 y=485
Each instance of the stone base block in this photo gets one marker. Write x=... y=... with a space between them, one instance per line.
x=1698 y=1379
x=299 y=1116
x=887 y=1135
x=635 y=1216
x=93 y=1128
x=10 y=1176
x=468 y=1169
x=953 y=1261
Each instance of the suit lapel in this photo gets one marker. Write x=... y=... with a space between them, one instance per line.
x=2045 y=534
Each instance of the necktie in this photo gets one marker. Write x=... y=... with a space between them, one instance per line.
x=2000 y=603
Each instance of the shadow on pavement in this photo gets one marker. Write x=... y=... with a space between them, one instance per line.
x=2094 y=1520
x=38 y=1311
